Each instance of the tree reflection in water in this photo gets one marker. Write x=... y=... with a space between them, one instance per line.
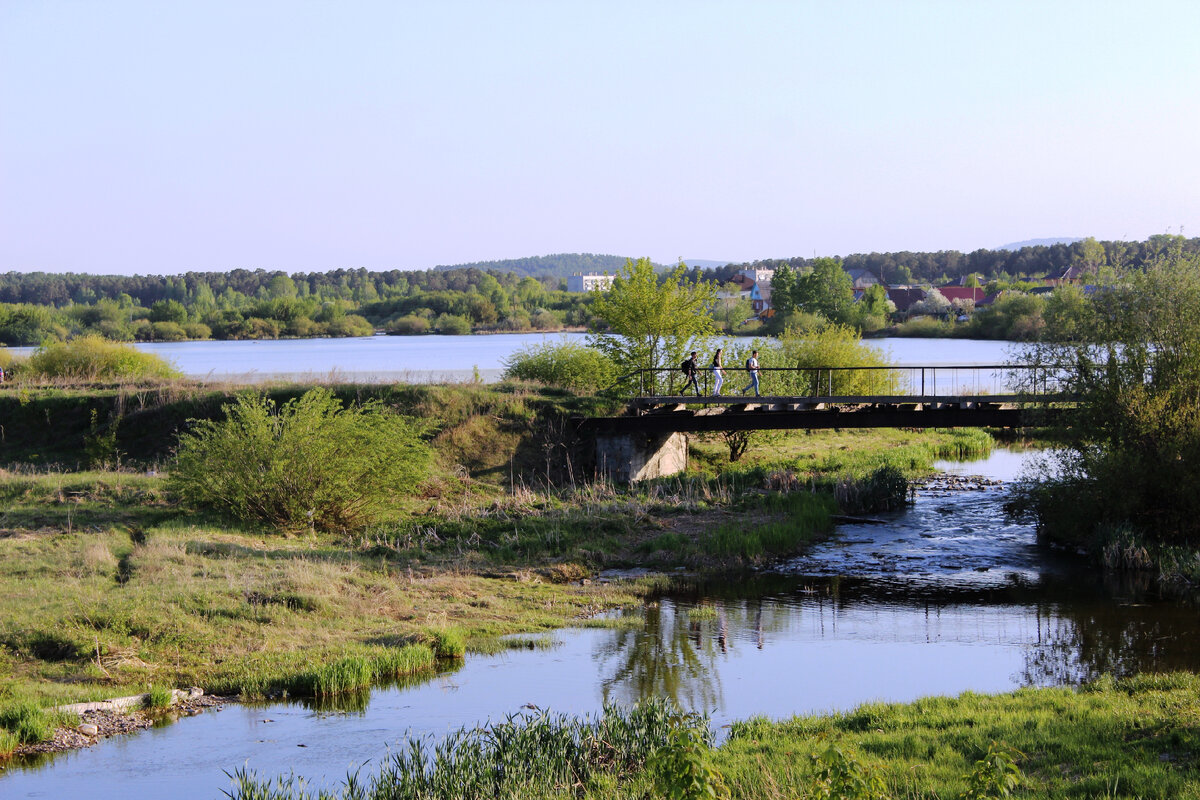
x=670 y=656
x=1070 y=631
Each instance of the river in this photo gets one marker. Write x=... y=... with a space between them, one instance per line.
x=421 y=359
x=944 y=597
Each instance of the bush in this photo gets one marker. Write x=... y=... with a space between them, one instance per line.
x=350 y=325
x=810 y=351
x=453 y=325
x=167 y=332
x=564 y=364
x=409 y=325
x=95 y=358
x=309 y=465
x=197 y=330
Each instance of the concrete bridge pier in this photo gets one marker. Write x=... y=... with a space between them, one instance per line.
x=638 y=455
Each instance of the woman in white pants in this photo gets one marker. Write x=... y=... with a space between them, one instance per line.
x=718 y=373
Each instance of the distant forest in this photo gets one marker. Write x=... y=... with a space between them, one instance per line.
x=950 y=265
x=517 y=295
x=560 y=265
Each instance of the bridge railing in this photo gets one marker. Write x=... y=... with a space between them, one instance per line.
x=899 y=381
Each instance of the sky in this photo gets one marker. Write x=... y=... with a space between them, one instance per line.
x=161 y=137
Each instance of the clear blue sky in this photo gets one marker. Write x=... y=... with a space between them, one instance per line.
x=167 y=136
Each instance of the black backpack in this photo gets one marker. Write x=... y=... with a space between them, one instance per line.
x=686 y=366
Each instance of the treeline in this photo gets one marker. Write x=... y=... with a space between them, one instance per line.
x=559 y=265
x=945 y=266
x=244 y=304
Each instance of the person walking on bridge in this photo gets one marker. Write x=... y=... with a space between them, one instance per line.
x=752 y=368
x=718 y=373
x=689 y=375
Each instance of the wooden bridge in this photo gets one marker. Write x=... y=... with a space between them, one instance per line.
x=646 y=440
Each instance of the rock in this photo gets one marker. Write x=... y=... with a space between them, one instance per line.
x=88 y=729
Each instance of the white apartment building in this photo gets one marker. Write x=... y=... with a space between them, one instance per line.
x=586 y=283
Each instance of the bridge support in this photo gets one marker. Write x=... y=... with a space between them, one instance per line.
x=638 y=455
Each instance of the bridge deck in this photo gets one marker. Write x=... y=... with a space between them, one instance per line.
x=691 y=414
x=810 y=400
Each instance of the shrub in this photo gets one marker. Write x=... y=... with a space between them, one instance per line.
x=350 y=325
x=453 y=325
x=409 y=325
x=565 y=364
x=197 y=330
x=310 y=464
x=95 y=358
x=167 y=332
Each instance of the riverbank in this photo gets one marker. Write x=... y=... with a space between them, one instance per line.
x=107 y=586
x=1114 y=739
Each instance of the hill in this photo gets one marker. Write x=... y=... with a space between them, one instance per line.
x=558 y=265
x=1041 y=242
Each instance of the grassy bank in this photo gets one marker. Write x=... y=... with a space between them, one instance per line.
x=1133 y=738
x=108 y=585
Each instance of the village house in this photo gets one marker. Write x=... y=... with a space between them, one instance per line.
x=586 y=283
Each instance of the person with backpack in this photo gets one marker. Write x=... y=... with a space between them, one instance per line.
x=689 y=374
x=718 y=373
x=752 y=368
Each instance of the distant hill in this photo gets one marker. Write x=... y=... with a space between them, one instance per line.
x=1041 y=242
x=559 y=265
x=705 y=263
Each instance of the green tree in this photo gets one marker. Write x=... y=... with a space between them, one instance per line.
x=827 y=291
x=168 y=311
x=651 y=323
x=783 y=287
x=1131 y=454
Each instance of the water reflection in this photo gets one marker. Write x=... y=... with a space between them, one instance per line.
x=1066 y=630
x=944 y=598
x=670 y=656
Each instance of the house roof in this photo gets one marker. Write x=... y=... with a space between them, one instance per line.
x=953 y=293
x=905 y=298
x=867 y=275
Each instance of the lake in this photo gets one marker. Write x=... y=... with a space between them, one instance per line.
x=432 y=359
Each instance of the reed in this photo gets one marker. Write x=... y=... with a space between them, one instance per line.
x=528 y=755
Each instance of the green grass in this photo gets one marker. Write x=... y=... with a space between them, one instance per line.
x=27 y=722
x=1131 y=738
x=447 y=643
x=1138 y=735
x=159 y=697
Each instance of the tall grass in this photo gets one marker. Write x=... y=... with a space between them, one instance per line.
x=292 y=674
x=807 y=514
x=528 y=755
x=25 y=722
x=159 y=697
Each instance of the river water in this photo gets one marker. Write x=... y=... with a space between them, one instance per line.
x=942 y=598
x=419 y=359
